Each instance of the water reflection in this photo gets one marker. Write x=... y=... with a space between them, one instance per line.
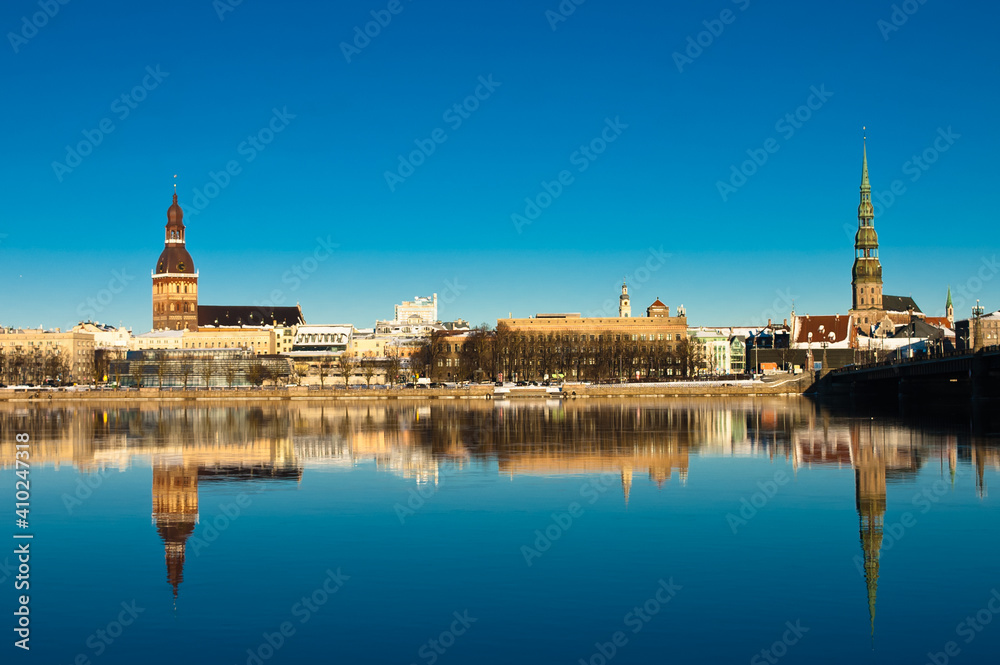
x=275 y=444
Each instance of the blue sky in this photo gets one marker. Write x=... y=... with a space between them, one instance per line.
x=310 y=128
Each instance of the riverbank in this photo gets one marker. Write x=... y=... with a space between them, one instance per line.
x=570 y=391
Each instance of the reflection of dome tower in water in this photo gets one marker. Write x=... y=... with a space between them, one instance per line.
x=175 y=512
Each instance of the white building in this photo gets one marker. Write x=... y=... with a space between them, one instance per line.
x=713 y=343
x=322 y=339
x=106 y=337
x=420 y=309
x=158 y=339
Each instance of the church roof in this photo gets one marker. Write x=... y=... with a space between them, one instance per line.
x=175 y=215
x=899 y=304
x=821 y=327
x=918 y=330
x=229 y=316
x=657 y=303
x=175 y=259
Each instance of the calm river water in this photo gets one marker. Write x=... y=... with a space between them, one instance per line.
x=626 y=531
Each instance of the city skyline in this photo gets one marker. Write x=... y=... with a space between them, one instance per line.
x=455 y=226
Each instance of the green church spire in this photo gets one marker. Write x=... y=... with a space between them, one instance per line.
x=865 y=186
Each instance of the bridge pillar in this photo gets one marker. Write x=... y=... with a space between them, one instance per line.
x=904 y=390
x=982 y=388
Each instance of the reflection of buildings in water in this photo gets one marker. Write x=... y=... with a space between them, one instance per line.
x=981 y=458
x=191 y=445
x=869 y=493
x=659 y=464
x=878 y=454
x=175 y=496
x=175 y=513
x=602 y=438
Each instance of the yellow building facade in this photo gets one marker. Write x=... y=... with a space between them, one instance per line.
x=75 y=348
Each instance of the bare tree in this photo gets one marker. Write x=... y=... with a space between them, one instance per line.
x=34 y=366
x=368 y=368
x=17 y=367
x=55 y=367
x=102 y=363
x=347 y=362
x=392 y=363
x=186 y=370
x=323 y=368
x=255 y=372
x=135 y=370
x=689 y=357
x=270 y=373
x=207 y=370
x=118 y=356
x=160 y=358
x=231 y=371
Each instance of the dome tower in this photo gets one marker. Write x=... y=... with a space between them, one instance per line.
x=175 y=281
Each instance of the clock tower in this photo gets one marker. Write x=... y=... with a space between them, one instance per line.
x=175 y=281
x=624 y=305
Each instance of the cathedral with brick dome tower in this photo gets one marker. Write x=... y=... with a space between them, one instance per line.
x=175 y=281
x=176 y=308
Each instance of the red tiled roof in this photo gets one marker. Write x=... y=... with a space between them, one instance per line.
x=821 y=327
x=657 y=303
x=939 y=321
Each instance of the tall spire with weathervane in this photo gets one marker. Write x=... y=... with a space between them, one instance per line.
x=866 y=276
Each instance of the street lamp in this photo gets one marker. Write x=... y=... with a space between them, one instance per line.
x=977 y=332
x=756 y=345
x=809 y=356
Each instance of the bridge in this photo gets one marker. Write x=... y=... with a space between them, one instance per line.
x=947 y=376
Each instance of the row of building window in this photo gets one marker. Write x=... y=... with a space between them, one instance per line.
x=160 y=308
x=175 y=288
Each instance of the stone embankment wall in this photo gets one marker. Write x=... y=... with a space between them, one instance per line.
x=794 y=386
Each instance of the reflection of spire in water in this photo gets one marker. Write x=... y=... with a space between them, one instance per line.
x=979 y=460
x=869 y=479
x=952 y=458
x=175 y=512
x=626 y=482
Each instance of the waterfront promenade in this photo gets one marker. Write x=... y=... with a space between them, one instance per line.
x=782 y=386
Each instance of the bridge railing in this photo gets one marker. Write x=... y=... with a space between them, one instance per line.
x=931 y=354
